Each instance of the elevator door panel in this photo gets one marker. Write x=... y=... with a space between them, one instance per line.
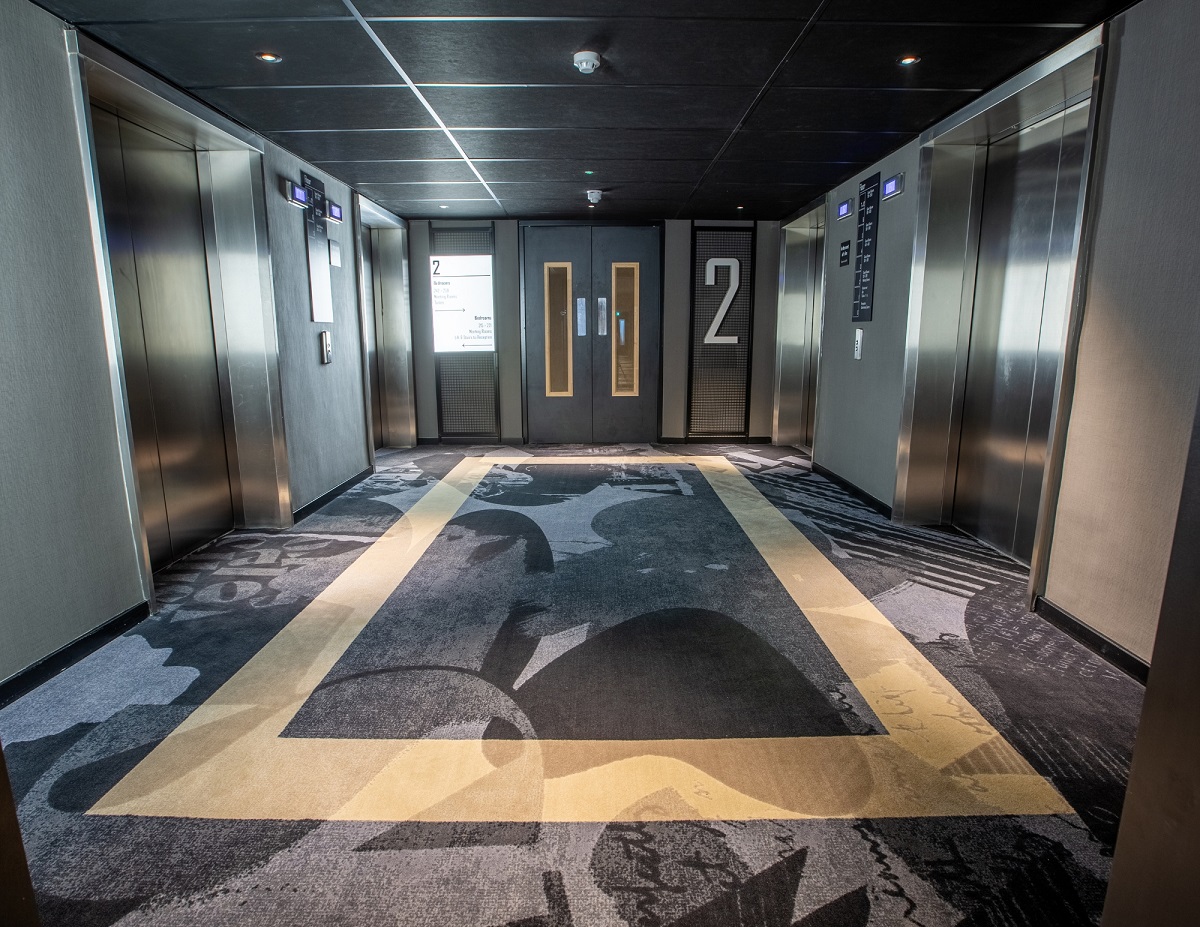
x=1030 y=206
x=147 y=466
x=171 y=371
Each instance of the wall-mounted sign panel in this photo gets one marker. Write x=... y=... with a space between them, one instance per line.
x=845 y=209
x=462 y=302
x=319 y=283
x=864 y=262
x=844 y=254
x=893 y=186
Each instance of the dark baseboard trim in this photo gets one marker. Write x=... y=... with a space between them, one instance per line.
x=469 y=439
x=662 y=440
x=305 y=510
x=861 y=495
x=429 y=441
x=1114 y=653
x=50 y=666
x=759 y=440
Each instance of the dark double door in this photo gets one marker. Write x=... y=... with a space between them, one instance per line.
x=593 y=320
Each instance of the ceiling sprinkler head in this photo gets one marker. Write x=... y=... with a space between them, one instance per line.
x=593 y=196
x=587 y=61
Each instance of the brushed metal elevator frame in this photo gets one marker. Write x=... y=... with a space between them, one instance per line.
x=812 y=221
x=953 y=157
x=383 y=276
x=239 y=270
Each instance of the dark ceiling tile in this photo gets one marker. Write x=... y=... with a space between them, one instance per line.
x=366 y=146
x=590 y=107
x=576 y=208
x=158 y=11
x=773 y=145
x=807 y=173
x=603 y=171
x=855 y=110
x=417 y=209
x=950 y=11
x=616 y=193
x=434 y=193
x=222 y=54
x=704 y=9
x=324 y=108
x=736 y=52
x=402 y=172
x=865 y=55
x=588 y=144
x=767 y=203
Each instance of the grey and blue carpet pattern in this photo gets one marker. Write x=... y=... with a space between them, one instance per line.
x=604 y=602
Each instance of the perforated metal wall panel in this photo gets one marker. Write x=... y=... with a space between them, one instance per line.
x=720 y=373
x=461 y=241
x=466 y=387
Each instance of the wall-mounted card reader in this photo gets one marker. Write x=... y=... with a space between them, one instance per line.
x=858 y=336
x=326 y=347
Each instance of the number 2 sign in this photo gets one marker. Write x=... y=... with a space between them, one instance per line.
x=710 y=279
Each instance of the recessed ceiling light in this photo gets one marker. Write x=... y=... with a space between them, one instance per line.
x=741 y=207
x=591 y=205
x=269 y=57
x=908 y=60
x=589 y=173
x=443 y=206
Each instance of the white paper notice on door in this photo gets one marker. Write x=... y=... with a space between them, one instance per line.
x=462 y=302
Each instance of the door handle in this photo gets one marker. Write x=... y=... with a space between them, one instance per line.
x=581 y=315
x=602 y=316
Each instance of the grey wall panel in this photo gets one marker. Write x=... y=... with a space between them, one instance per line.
x=1154 y=870
x=1138 y=369
x=322 y=403
x=859 y=402
x=70 y=561
x=766 y=317
x=425 y=374
x=507 y=281
x=677 y=314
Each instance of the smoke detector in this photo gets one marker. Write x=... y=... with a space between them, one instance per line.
x=593 y=196
x=587 y=61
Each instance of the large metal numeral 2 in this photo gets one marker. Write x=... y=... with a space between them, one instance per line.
x=710 y=279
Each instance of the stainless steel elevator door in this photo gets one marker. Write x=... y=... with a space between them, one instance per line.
x=150 y=189
x=1030 y=209
x=799 y=335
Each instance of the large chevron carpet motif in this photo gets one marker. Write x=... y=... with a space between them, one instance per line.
x=586 y=686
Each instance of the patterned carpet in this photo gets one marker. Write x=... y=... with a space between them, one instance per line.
x=687 y=686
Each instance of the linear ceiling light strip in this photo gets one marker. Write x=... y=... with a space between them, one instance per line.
x=758 y=98
x=420 y=96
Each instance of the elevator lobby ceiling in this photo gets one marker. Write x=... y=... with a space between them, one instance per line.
x=699 y=106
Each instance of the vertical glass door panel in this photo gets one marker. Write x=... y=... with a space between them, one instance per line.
x=626 y=310
x=560 y=380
